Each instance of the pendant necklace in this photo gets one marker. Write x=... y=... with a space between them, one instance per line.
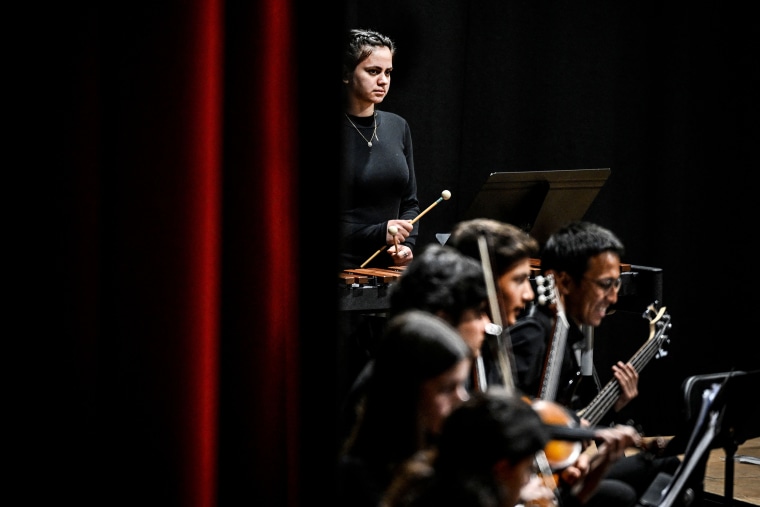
x=374 y=132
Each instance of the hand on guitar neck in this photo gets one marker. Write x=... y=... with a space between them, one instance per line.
x=624 y=384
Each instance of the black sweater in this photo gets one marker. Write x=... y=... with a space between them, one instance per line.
x=378 y=184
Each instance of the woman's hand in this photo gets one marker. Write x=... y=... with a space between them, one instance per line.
x=403 y=257
x=397 y=231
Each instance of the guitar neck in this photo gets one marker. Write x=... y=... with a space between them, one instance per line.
x=555 y=354
x=610 y=393
x=553 y=361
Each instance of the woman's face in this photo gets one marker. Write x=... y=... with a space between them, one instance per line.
x=442 y=394
x=371 y=79
x=516 y=291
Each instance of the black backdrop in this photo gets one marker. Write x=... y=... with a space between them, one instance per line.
x=660 y=94
x=663 y=96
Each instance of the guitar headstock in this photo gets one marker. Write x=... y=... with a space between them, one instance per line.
x=657 y=316
x=546 y=290
x=659 y=323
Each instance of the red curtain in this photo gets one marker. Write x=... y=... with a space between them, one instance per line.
x=173 y=221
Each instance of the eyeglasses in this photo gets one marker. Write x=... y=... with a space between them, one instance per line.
x=607 y=284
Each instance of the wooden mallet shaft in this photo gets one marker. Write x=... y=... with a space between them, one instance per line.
x=394 y=230
x=445 y=196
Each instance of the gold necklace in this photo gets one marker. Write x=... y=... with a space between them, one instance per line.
x=374 y=133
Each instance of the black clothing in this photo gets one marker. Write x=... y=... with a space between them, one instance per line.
x=350 y=405
x=379 y=184
x=360 y=482
x=531 y=337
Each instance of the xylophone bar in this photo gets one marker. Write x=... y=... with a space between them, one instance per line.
x=351 y=279
x=366 y=289
x=380 y=275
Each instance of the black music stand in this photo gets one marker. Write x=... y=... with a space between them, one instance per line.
x=718 y=415
x=538 y=201
x=741 y=419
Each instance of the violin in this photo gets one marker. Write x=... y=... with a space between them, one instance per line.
x=567 y=436
x=569 y=439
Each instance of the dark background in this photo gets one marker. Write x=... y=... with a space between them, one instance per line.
x=101 y=388
x=662 y=95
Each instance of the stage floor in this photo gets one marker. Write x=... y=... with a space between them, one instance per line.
x=746 y=475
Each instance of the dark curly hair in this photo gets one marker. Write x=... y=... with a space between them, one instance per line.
x=440 y=279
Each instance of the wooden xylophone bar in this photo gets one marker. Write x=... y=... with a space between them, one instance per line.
x=380 y=275
x=366 y=289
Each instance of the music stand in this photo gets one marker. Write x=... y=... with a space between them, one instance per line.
x=741 y=419
x=538 y=201
x=720 y=416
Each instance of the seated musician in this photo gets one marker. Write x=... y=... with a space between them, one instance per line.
x=417 y=379
x=584 y=259
x=485 y=457
x=508 y=247
x=446 y=283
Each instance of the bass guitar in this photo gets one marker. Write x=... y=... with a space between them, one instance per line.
x=659 y=323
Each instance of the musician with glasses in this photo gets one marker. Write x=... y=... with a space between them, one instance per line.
x=584 y=260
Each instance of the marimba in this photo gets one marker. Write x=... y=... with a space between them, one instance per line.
x=366 y=289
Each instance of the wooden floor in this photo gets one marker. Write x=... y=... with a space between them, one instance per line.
x=746 y=475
